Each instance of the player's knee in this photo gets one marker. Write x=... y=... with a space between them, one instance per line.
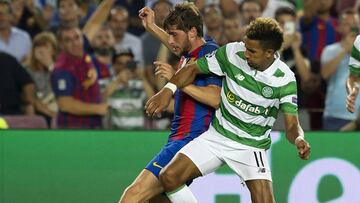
x=169 y=180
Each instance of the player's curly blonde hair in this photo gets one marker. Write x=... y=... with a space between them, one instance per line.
x=267 y=31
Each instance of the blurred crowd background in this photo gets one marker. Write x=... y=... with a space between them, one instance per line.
x=84 y=64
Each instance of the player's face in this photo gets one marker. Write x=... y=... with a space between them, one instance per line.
x=179 y=41
x=256 y=56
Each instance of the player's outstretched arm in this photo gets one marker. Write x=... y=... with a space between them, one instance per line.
x=352 y=87
x=295 y=135
x=147 y=17
x=160 y=101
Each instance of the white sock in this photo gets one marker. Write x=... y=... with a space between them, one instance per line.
x=182 y=195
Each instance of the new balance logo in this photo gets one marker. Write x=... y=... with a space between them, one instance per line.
x=262 y=170
x=240 y=77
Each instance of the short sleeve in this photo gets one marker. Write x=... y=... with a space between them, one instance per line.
x=288 y=98
x=354 y=62
x=213 y=61
x=62 y=83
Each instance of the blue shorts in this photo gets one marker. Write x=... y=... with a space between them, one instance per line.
x=165 y=155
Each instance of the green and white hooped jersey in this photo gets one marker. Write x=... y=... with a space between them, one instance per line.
x=250 y=99
x=354 y=62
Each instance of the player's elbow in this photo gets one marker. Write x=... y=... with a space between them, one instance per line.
x=215 y=104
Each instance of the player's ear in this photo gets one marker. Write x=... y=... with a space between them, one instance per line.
x=269 y=53
x=192 y=33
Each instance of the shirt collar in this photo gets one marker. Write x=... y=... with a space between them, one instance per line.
x=274 y=66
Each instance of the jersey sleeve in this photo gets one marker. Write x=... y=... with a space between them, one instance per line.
x=62 y=83
x=354 y=62
x=213 y=62
x=288 y=98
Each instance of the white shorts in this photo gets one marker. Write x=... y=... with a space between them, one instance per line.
x=211 y=150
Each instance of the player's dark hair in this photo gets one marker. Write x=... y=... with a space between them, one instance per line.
x=185 y=16
x=284 y=11
x=267 y=31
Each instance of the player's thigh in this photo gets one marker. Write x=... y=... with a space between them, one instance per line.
x=165 y=155
x=261 y=191
x=195 y=159
x=145 y=186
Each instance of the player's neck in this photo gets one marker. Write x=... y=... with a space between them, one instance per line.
x=267 y=64
x=198 y=42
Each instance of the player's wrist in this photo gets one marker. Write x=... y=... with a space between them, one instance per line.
x=171 y=86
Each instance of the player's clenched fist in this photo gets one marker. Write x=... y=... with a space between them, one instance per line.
x=147 y=17
x=159 y=102
x=303 y=148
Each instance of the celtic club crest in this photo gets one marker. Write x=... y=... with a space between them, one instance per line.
x=267 y=92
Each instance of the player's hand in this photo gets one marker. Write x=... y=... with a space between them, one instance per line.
x=164 y=70
x=350 y=99
x=303 y=148
x=159 y=102
x=91 y=78
x=147 y=17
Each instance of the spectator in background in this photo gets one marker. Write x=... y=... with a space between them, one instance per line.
x=353 y=125
x=161 y=9
x=127 y=93
x=118 y=22
x=103 y=50
x=228 y=7
x=73 y=12
x=92 y=25
x=47 y=9
x=318 y=29
x=293 y=54
x=17 y=89
x=28 y=17
x=269 y=7
x=334 y=69
x=39 y=65
x=249 y=11
x=213 y=22
x=13 y=40
x=68 y=12
x=134 y=23
x=233 y=31
x=74 y=82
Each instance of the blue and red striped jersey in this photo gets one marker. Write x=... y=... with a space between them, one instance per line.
x=318 y=34
x=192 y=118
x=67 y=79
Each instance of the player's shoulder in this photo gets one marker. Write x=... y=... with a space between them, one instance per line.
x=209 y=46
x=235 y=47
x=287 y=73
